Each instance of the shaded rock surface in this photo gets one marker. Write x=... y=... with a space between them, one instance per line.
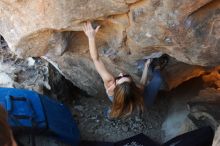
x=29 y=73
x=34 y=74
x=194 y=104
x=177 y=121
x=176 y=73
x=130 y=29
x=204 y=109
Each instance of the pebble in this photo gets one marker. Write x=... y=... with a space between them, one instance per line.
x=137 y=119
x=149 y=126
x=136 y=125
x=168 y=40
x=94 y=118
x=124 y=128
x=79 y=107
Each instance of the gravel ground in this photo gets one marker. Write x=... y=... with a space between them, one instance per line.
x=93 y=125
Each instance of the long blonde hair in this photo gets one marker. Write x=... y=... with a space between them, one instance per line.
x=127 y=97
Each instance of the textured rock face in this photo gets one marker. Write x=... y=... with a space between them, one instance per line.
x=31 y=26
x=130 y=29
x=187 y=30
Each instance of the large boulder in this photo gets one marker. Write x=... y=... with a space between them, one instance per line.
x=130 y=29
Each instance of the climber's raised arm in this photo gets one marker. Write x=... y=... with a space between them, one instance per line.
x=144 y=76
x=106 y=76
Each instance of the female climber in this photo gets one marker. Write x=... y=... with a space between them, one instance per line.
x=121 y=90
